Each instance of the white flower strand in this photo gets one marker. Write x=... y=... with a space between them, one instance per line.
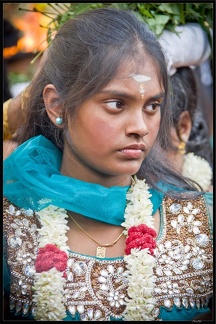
x=49 y=296
x=198 y=169
x=49 y=285
x=140 y=263
x=53 y=227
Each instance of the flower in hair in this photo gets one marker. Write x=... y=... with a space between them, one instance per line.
x=197 y=169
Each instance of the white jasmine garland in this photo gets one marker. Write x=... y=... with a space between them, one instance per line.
x=140 y=263
x=53 y=229
x=49 y=296
x=197 y=169
x=49 y=285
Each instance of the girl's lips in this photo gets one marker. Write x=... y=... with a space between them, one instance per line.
x=132 y=153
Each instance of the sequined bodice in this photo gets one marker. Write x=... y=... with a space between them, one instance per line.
x=184 y=257
x=96 y=289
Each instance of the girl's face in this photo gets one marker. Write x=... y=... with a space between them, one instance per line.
x=114 y=130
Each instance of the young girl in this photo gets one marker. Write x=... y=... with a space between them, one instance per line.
x=82 y=239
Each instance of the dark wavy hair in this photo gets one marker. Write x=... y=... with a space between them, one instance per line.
x=185 y=94
x=84 y=56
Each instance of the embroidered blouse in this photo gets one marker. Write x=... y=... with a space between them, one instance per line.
x=95 y=288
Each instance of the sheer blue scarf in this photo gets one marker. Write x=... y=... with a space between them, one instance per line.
x=32 y=180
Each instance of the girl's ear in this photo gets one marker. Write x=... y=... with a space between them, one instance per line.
x=52 y=103
x=184 y=126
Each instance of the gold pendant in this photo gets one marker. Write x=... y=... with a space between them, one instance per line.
x=101 y=252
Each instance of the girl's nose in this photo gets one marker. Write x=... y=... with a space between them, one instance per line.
x=137 y=125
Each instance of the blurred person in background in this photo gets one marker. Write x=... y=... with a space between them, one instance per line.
x=191 y=154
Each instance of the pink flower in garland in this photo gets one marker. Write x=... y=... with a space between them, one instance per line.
x=50 y=256
x=141 y=237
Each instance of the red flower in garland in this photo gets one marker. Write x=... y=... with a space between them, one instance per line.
x=141 y=237
x=50 y=256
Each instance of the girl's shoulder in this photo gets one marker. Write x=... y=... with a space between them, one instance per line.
x=20 y=245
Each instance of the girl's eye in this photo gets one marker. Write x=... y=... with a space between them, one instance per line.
x=153 y=106
x=115 y=104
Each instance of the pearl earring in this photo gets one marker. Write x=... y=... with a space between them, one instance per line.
x=59 y=120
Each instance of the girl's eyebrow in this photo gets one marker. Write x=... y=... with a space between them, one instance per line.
x=161 y=95
x=129 y=96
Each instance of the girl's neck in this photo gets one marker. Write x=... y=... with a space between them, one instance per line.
x=72 y=167
x=109 y=181
x=92 y=177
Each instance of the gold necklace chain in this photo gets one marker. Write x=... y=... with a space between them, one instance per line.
x=101 y=250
